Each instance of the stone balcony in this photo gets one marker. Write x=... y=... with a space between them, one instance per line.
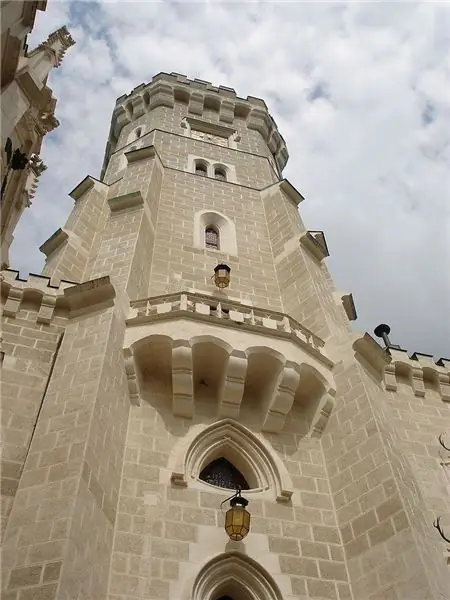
x=243 y=353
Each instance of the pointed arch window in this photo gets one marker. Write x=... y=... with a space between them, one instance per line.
x=211 y=238
x=222 y=473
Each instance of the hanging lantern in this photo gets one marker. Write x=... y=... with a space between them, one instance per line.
x=222 y=276
x=237 y=518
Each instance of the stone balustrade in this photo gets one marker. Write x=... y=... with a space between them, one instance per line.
x=226 y=312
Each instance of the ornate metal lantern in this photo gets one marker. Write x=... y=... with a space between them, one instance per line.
x=222 y=276
x=237 y=518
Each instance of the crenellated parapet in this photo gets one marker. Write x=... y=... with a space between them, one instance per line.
x=47 y=299
x=199 y=95
x=36 y=291
x=394 y=367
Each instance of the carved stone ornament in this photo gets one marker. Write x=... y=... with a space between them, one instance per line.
x=37 y=164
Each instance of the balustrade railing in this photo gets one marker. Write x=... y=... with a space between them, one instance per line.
x=226 y=310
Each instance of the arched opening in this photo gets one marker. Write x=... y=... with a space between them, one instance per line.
x=222 y=225
x=234 y=576
x=201 y=168
x=221 y=473
x=220 y=173
x=212 y=238
x=138 y=132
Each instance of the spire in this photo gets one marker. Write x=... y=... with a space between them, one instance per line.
x=58 y=42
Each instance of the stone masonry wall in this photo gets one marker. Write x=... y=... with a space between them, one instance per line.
x=165 y=533
x=29 y=349
x=60 y=529
x=372 y=486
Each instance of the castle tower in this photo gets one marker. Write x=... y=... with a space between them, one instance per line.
x=28 y=109
x=139 y=393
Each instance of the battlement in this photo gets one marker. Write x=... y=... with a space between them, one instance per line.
x=36 y=290
x=46 y=298
x=167 y=89
x=394 y=367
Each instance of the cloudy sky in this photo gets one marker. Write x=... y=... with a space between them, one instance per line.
x=360 y=92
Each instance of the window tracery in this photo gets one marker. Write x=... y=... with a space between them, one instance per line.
x=223 y=474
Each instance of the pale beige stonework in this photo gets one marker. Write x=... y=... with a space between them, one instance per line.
x=126 y=371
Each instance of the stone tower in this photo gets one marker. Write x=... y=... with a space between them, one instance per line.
x=138 y=395
x=27 y=109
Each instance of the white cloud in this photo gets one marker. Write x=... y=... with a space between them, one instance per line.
x=360 y=93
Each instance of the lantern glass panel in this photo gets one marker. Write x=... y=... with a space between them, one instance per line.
x=237 y=523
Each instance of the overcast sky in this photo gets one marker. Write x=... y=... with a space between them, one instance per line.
x=360 y=92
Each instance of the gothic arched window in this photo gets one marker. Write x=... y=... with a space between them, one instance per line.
x=211 y=238
x=222 y=473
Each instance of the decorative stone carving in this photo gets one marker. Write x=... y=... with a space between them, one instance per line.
x=36 y=168
x=58 y=42
x=208 y=137
x=37 y=164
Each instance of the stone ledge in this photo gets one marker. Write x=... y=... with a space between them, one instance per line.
x=84 y=186
x=141 y=153
x=131 y=200
x=54 y=242
x=349 y=306
x=91 y=293
x=314 y=242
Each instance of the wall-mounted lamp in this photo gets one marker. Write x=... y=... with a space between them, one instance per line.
x=383 y=332
x=222 y=276
x=237 y=518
